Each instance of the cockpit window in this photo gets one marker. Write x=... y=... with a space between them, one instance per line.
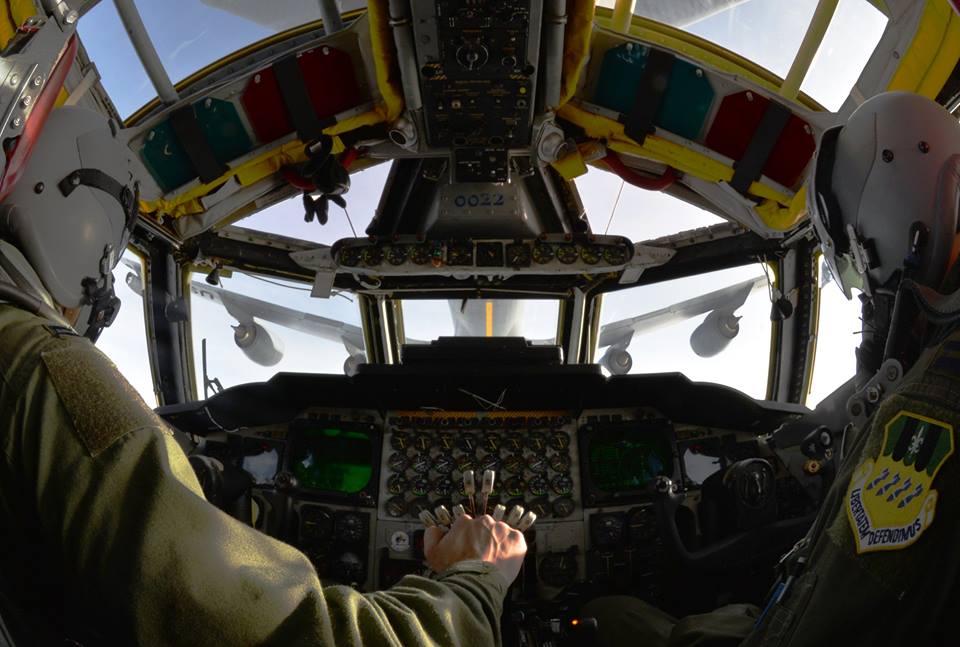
x=838 y=336
x=287 y=218
x=770 y=34
x=255 y=327
x=187 y=34
x=426 y=320
x=125 y=342
x=711 y=327
x=620 y=209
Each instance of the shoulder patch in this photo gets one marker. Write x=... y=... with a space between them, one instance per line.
x=890 y=501
x=103 y=405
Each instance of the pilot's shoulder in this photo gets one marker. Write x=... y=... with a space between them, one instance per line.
x=36 y=354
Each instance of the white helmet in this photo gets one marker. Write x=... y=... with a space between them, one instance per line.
x=72 y=211
x=883 y=196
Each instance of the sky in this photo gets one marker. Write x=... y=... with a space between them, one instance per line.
x=189 y=35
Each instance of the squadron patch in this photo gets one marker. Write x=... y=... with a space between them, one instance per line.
x=890 y=501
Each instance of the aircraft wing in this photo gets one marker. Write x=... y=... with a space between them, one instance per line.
x=244 y=309
x=731 y=297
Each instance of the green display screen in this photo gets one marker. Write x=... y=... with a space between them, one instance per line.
x=333 y=460
x=627 y=460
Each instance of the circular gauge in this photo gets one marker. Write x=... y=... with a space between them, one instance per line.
x=396 y=506
x=537 y=463
x=536 y=441
x=562 y=485
x=514 y=464
x=558 y=569
x=349 y=256
x=460 y=254
x=515 y=487
x=560 y=463
x=420 y=486
x=396 y=254
x=348 y=568
x=396 y=484
x=491 y=443
x=538 y=486
x=607 y=531
x=421 y=254
x=490 y=462
x=447 y=440
x=466 y=462
x=400 y=440
x=421 y=463
x=567 y=254
x=467 y=442
x=540 y=507
x=443 y=487
x=514 y=443
x=350 y=527
x=315 y=523
x=642 y=524
x=559 y=440
x=422 y=442
x=542 y=253
x=398 y=461
x=518 y=255
x=590 y=254
x=615 y=255
x=443 y=463
x=563 y=507
x=372 y=255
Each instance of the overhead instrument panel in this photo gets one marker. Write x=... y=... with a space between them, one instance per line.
x=478 y=64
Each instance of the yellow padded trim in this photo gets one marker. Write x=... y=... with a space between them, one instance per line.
x=388 y=74
x=571 y=166
x=933 y=54
x=663 y=151
x=576 y=45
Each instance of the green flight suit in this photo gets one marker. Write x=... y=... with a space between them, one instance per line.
x=879 y=573
x=103 y=526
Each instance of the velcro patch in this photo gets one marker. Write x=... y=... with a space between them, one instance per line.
x=103 y=405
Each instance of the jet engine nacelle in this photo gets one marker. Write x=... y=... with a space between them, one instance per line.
x=353 y=362
x=617 y=361
x=258 y=344
x=715 y=333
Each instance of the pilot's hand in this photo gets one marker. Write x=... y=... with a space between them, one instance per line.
x=483 y=538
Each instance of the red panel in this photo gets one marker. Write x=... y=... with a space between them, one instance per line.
x=736 y=121
x=331 y=83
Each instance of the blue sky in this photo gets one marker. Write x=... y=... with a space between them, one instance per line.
x=189 y=35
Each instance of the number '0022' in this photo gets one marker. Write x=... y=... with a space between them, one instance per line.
x=479 y=200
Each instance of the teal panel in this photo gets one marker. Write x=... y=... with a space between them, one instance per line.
x=165 y=158
x=620 y=73
x=223 y=129
x=686 y=102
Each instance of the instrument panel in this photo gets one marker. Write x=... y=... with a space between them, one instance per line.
x=346 y=487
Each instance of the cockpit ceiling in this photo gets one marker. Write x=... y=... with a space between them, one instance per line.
x=642 y=99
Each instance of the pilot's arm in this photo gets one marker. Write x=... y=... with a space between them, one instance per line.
x=147 y=559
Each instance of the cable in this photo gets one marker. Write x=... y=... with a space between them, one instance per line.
x=614 y=210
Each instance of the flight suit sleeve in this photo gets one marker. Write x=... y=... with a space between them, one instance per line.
x=148 y=558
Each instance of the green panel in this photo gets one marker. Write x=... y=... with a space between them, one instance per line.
x=620 y=74
x=223 y=129
x=334 y=460
x=165 y=158
x=686 y=102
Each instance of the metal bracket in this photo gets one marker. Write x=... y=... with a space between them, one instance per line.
x=645 y=256
x=866 y=400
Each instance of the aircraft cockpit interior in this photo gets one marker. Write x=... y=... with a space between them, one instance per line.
x=386 y=249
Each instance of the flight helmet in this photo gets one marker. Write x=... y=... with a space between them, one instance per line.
x=884 y=190
x=72 y=211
